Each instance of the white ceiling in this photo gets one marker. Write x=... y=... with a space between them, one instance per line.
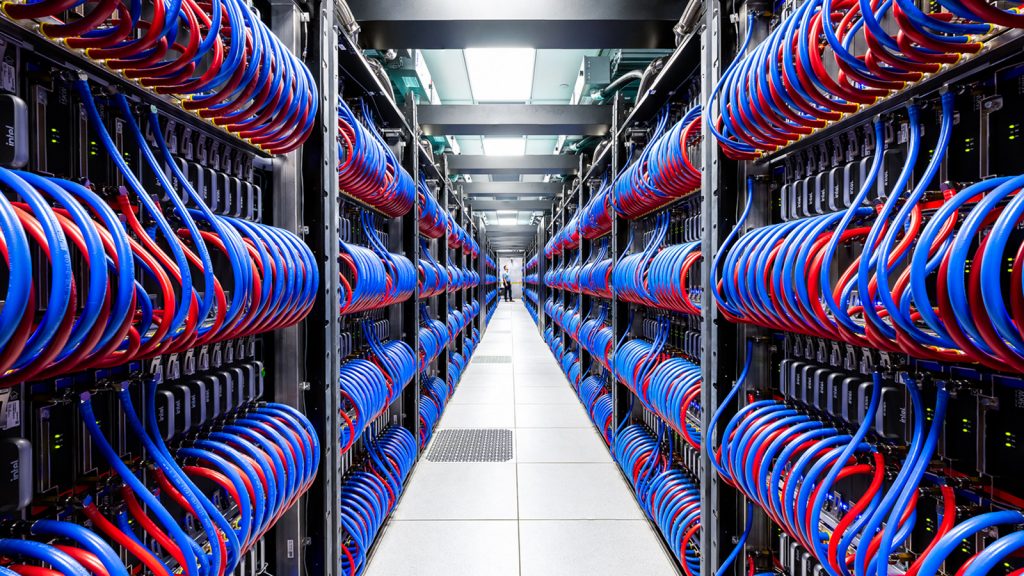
x=554 y=76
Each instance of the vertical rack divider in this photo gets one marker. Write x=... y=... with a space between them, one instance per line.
x=319 y=170
x=542 y=268
x=718 y=353
x=620 y=235
x=289 y=371
x=404 y=237
x=441 y=254
x=480 y=267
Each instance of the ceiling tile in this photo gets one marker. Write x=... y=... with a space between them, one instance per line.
x=448 y=69
x=470 y=144
x=555 y=74
x=541 y=144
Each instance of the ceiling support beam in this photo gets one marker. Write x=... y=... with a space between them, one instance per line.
x=532 y=164
x=519 y=205
x=528 y=189
x=514 y=231
x=571 y=24
x=514 y=119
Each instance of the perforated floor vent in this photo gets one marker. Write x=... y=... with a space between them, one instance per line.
x=471 y=445
x=492 y=359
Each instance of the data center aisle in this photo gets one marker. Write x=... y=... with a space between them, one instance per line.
x=559 y=507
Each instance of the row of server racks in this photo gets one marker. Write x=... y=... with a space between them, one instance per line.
x=805 y=360
x=429 y=335
x=212 y=339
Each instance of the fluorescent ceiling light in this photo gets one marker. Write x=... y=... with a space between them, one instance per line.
x=515 y=146
x=500 y=74
x=511 y=221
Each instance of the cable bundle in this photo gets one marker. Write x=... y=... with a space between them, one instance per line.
x=471 y=311
x=432 y=404
x=492 y=304
x=595 y=276
x=667 y=386
x=565 y=317
x=789 y=462
x=667 y=495
x=456 y=366
x=255 y=89
x=368 y=495
x=472 y=341
x=457 y=235
x=596 y=215
x=810 y=71
x=379 y=278
x=781 y=276
x=56 y=224
x=456 y=322
x=433 y=222
x=570 y=363
x=565 y=276
x=369 y=386
x=673 y=392
x=597 y=337
x=567 y=238
x=570 y=274
x=659 y=276
x=260 y=460
x=472 y=247
x=530 y=301
x=598 y=402
x=433 y=277
x=433 y=337
x=552 y=277
x=492 y=266
x=663 y=172
x=462 y=278
x=554 y=341
x=367 y=168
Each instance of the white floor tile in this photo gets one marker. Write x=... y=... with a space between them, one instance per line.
x=546 y=395
x=489 y=368
x=460 y=491
x=552 y=416
x=479 y=416
x=575 y=492
x=592 y=548
x=561 y=445
x=446 y=548
x=577 y=515
x=484 y=393
x=524 y=357
x=548 y=378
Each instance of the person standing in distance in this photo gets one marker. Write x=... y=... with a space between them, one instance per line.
x=506 y=280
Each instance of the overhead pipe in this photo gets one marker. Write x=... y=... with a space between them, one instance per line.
x=687 y=20
x=619 y=83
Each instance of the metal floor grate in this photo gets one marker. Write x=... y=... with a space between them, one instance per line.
x=471 y=445
x=492 y=359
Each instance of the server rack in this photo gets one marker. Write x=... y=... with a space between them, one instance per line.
x=456 y=310
x=56 y=467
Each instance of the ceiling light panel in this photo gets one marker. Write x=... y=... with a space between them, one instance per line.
x=501 y=74
x=515 y=146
